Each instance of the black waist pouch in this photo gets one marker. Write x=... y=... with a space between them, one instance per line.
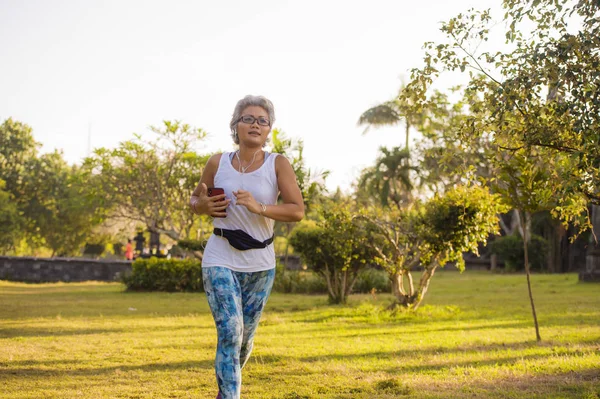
x=241 y=240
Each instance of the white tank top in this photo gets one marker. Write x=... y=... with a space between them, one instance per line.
x=262 y=183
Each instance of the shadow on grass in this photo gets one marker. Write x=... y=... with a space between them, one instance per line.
x=511 y=352
x=565 y=382
x=584 y=383
x=49 y=332
x=558 y=320
x=384 y=329
x=31 y=332
x=71 y=369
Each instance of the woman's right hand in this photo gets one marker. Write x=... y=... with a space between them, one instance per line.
x=214 y=206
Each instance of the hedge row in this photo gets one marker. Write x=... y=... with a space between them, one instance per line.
x=159 y=274
x=185 y=275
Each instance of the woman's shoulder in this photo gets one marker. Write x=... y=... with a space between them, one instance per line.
x=280 y=160
x=215 y=159
x=212 y=165
x=282 y=164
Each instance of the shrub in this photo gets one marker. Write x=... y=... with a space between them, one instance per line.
x=372 y=278
x=310 y=282
x=159 y=274
x=298 y=282
x=510 y=250
x=336 y=247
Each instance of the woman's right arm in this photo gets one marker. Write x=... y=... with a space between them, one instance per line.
x=200 y=202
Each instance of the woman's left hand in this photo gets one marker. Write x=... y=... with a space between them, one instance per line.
x=245 y=198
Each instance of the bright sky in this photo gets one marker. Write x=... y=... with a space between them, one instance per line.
x=115 y=67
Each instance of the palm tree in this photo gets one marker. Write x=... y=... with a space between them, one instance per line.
x=389 y=180
x=390 y=177
x=391 y=113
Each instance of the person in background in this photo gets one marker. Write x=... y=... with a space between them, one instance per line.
x=238 y=266
x=129 y=250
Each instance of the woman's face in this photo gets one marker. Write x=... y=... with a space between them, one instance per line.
x=253 y=129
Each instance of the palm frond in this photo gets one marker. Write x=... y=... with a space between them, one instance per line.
x=380 y=115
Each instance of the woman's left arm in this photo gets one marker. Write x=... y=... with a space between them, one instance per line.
x=292 y=208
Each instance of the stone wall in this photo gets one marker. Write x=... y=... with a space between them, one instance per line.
x=592 y=266
x=42 y=270
x=45 y=270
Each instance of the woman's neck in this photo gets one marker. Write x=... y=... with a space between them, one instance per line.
x=248 y=154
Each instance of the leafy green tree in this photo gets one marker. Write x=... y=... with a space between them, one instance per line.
x=336 y=248
x=445 y=160
x=61 y=212
x=10 y=221
x=47 y=194
x=151 y=182
x=430 y=235
x=17 y=147
x=539 y=102
x=544 y=93
x=526 y=180
x=311 y=182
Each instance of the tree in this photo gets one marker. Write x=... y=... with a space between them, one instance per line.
x=48 y=196
x=17 y=146
x=336 y=248
x=10 y=221
x=311 y=183
x=430 y=235
x=152 y=182
x=391 y=113
x=446 y=160
x=61 y=212
x=539 y=102
x=17 y=149
x=545 y=93
x=525 y=179
x=389 y=180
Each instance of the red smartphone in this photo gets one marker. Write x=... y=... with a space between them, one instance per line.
x=212 y=191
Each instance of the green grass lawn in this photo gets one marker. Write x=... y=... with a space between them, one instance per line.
x=473 y=338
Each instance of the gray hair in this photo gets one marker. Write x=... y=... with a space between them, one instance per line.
x=250 y=101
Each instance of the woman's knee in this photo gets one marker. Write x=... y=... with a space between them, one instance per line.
x=230 y=334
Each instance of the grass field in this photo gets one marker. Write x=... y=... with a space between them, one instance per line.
x=474 y=338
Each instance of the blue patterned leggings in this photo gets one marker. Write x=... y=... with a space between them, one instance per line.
x=236 y=300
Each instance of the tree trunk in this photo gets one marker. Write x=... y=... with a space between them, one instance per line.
x=352 y=282
x=526 y=229
x=517 y=222
x=398 y=290
x=423 y=286
x=411 y=285
x=327 y=276
x=344 y=286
